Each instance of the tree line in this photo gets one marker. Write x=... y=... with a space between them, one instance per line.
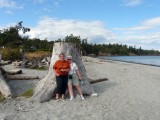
x=10 y=37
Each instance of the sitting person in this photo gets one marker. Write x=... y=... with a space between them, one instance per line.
x=73 y=79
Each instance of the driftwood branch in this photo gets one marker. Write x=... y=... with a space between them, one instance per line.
x=34 y=66
x=18 y=77
x=98 y=80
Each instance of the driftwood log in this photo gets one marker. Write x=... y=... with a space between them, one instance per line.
x=45 y=88
x=98 y=80
x=10 y=72
x=18 y=77
x=5 y=63
x=4 y=88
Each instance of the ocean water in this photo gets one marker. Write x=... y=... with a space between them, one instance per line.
x=148 y=60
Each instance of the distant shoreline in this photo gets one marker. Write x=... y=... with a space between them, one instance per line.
x=127 y=61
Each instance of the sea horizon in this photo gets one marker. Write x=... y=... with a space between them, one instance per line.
x=144 y=60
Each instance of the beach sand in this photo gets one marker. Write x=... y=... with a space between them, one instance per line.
x=132 y=92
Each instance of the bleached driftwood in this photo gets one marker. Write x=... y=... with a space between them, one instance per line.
x=18 y=77
x=34 y=66
x=98 y=80
x=5 y=63
x=45 y=88
x=10 y=72
x=13 y=72
x=4 y=88
x=24 y=63
x=17 y=63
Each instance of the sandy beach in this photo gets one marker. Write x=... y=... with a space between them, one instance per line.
x=132 y=92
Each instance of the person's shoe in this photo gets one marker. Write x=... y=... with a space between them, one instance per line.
x=71 y=98
x=57 y=100
x=82 y=98
x=62 y=99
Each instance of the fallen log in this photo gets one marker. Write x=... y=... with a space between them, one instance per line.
x=16 y=63
x=10 y=72
x=13 y=72
x=98 y=80
x=4 y=88
x=5 y=63
x=34 y=66
x=18 y=77
x=24 y=63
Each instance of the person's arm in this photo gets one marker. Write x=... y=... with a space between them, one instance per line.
x=55 y=72
x=54 y=69
x=79 y=75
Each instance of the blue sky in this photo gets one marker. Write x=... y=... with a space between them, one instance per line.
x=131 y=22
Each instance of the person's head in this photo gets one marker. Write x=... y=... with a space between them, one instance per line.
x=69 y=58
x=61 y=56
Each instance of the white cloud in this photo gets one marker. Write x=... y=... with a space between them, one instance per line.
x=9 y=12
x=55 y=2
x=7 y=3
x=46 y=9
x=132 y=2
x=95 y=32
x=149 y=24
x=39 y=1
x=53 y=29
x=146 y=34
x=10 y=4
x=152 y=23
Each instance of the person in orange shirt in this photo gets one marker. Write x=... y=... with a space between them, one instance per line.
x=61 y=69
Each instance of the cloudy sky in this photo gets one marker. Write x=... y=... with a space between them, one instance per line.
x=131 y=22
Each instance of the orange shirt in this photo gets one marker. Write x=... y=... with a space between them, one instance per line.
x=61 y=65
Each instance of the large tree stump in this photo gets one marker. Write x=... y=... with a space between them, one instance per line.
x=45 y=88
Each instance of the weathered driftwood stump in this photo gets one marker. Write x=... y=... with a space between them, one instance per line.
x=45 y=88
x=4 y=88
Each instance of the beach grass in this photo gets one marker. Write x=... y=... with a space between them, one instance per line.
x=2 y=98
x=28 y=93
x=42 y=68
x=36 y=55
